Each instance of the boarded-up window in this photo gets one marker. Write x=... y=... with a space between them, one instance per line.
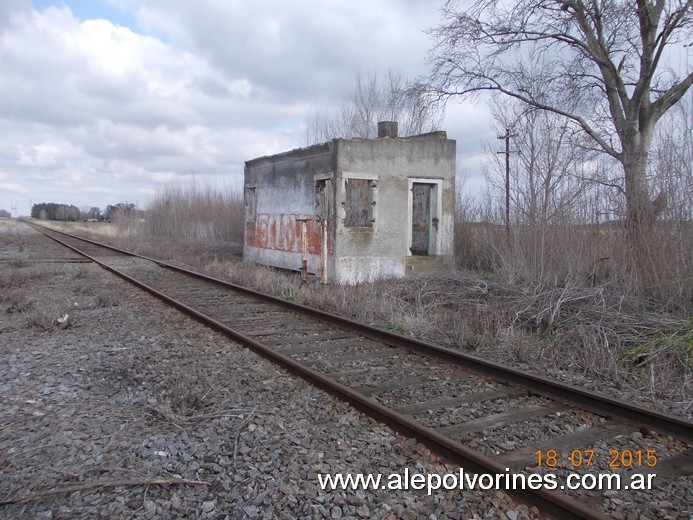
x=358 y=203
x=250 y=205
x=323 y=199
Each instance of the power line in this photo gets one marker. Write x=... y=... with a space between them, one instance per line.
x=507 y=137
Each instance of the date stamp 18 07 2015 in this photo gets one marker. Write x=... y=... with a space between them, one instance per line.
x=587 y=458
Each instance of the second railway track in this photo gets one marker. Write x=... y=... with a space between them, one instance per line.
x=468 y=409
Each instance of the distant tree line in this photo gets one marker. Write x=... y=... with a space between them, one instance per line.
x=54 y=211
x=71 y=213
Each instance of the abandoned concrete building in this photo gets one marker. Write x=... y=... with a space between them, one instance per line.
x=354 y=210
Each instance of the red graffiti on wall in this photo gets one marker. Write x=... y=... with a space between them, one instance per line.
x=282 y=232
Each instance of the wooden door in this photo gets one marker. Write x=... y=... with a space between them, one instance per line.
x=421 y=219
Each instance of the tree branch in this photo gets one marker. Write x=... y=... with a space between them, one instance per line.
x=671 y=97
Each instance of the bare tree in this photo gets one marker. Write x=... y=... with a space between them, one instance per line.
x=600 y=64
x=546 y=167
x=373 y=100
x=546 y=187
x=672 y=172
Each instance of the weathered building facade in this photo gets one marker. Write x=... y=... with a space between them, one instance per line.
x=354 y=210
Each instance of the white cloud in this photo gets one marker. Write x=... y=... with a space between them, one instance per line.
x=298 y=50
x=12 y=187
x=96 y=189
x=95 y=113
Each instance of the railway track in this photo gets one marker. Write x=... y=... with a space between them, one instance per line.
x=468 y=409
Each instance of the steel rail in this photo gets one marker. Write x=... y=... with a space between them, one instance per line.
x=645 y=418
x=555 y=504
x=599 y=403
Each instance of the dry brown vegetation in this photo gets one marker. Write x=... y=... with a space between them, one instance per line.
x=579 y=318
x=192 y=214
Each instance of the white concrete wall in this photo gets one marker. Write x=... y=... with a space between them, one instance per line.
x=285 y=193
x=285 y=189
x=381 y=251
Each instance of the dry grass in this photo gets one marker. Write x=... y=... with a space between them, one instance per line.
x=638 y=344
x=259 y=278
x=103 y=300
x=588 y=255
x=569 y=308
x=11 y=278
x=15 y=298
x=17 y=301
x=196 y=213
x=93 y=229
x=625 y=341
x=47 y=320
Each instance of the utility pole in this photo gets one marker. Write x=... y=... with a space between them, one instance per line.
x=507 y=137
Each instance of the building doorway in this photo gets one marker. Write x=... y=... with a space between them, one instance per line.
x=424 y=218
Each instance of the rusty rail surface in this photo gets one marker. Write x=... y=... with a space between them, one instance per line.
x=279 y=349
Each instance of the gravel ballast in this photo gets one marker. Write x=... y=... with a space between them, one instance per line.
x=115 y=406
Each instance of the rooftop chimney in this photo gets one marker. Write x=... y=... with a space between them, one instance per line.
x=387 y=129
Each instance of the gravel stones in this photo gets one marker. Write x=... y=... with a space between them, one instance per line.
x=135 y=411
x=135 y=393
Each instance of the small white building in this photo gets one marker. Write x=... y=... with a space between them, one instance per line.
x=355 y=209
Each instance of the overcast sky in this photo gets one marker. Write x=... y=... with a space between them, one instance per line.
x=107 y=101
